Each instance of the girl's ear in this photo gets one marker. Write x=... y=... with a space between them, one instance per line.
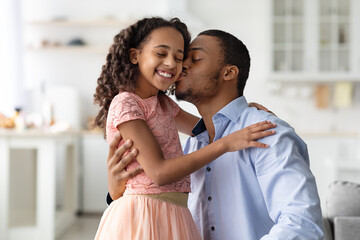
x=231 y=72
x=134 y=55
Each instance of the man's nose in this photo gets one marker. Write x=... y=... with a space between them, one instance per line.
x=185 y=65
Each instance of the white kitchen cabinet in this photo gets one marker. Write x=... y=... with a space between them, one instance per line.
x=315 y=40
x=288 y=36
x=94 y=174
x=28 y=183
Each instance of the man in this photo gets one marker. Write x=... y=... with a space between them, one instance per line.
x=254 y=193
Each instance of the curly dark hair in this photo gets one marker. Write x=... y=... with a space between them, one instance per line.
x=235 y=53
x=119 y=74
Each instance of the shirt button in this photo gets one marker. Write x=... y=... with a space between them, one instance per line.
x=212 y=228
x=209 y=198
x=208 y=169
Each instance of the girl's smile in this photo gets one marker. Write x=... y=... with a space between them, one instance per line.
x=165 y=74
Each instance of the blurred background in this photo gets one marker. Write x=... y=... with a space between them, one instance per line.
x=305 y=67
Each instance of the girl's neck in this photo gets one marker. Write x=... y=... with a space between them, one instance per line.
x=144 y=89
x=145 y=93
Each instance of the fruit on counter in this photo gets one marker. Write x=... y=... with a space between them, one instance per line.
x=6 y=122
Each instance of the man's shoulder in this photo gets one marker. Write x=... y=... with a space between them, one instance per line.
x=283 y=129
x=252 y=115
x=285 y=136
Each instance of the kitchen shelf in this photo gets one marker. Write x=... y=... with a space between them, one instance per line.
x=314 y=78
x=349 y=165
x=329 y=134
x=80 y=49
x=81 y=23
x=45 y=30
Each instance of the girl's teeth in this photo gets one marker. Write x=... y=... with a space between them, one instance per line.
x=167 y=75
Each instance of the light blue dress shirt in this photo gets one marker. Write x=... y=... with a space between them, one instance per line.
x=255 y=193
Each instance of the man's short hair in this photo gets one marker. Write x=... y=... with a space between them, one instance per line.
x=235 y=53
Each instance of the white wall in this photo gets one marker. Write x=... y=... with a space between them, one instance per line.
x=10 y=56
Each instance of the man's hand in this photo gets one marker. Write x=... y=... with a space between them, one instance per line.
x=116 y=164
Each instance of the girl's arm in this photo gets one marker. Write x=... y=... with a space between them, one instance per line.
x=117 y=161
x=162 y=171
x=185 y=122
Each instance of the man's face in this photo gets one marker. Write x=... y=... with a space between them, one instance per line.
x=202 y=69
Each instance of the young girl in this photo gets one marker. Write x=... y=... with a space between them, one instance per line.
x=144 y=61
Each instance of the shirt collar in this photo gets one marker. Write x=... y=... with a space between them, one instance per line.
x=232 y=111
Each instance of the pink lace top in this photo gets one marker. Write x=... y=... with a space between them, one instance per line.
x=158 y=112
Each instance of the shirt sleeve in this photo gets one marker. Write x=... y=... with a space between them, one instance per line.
x=289 y=187
x=124 y=108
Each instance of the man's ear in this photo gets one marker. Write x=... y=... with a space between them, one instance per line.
x=231 y=72
x=134 y=53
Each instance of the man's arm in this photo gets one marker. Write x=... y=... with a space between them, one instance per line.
x=289 y=187
x=116 y=164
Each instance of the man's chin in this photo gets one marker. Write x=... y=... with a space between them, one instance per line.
x=183 y=95
x=179 y=94
x=178 y=91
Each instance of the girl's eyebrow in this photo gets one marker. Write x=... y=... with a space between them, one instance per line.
x=167 y=47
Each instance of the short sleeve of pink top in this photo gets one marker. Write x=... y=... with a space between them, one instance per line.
x=158 y=112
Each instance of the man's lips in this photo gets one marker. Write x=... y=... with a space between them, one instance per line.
x=182 y=75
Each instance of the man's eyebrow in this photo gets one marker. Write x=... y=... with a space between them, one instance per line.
x=198 y=48
x=167 y=47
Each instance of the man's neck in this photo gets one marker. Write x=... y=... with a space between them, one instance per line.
x=208 y=109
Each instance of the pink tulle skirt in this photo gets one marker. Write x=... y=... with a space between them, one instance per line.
x=139 y=217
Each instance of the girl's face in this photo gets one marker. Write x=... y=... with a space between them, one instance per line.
x=159 y=61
